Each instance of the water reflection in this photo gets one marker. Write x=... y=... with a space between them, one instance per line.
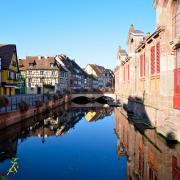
x=49 y=147
x=57 y=122
x=149 y=156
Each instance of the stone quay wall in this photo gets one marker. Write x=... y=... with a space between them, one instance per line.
x=11 y=118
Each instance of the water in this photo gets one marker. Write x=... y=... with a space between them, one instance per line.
x=77 y=144
x=71 y=143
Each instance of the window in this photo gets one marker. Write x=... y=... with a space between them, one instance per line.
x=31 y=65
x=158 y=57
x=30 y=72
x=41 y=72
x=153 y=60
x=30 y=80
x=52 y=65
x=142 y=65
x=9 y=75
x=53 y=73
x=17 y=76
x=14 y=63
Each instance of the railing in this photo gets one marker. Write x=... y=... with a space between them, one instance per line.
x=15 y=100
x=92 y=91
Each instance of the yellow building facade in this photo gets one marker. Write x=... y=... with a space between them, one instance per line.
x=9 y=70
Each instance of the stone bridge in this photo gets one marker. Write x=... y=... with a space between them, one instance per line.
x=94 y=95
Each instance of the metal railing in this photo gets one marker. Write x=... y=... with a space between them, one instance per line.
x=15 y=100
x=92 y=91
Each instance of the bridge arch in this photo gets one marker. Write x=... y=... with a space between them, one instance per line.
x=93 y=96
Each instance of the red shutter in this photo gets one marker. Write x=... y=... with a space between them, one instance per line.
x=153 y=60
x=158 y=57
x=144 y=64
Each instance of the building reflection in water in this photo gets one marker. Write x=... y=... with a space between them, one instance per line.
x=149 y=155
x=57 y=122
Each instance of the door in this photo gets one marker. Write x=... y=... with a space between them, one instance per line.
x=39 y=90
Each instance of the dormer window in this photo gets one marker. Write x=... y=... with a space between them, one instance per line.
x=31 y=65
x=52 y=65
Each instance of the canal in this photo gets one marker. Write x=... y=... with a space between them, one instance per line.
x=85 y=143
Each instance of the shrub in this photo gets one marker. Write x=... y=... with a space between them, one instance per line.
x=38 y=103
x=23 y=106
x=65 y=91
x=55 y=97
x=3 y=101
x=48 y=95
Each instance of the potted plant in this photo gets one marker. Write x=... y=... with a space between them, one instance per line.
x=55 y=97
x=23 y=106
x=48 y=95
x=3 y=101
x=38 y=103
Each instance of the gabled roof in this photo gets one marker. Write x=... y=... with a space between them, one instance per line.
x=98 y=69
x=6 y=54
x=43 y=63
x=122 y=52
x=149 y=39
x=71 y=65
x=138 y=32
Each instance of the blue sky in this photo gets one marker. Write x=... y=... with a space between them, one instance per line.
x=88 y=31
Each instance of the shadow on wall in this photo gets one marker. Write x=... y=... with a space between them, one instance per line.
x=137 y=115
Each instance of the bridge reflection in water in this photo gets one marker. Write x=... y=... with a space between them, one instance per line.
x=47 y=145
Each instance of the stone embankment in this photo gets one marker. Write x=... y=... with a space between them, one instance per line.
x=10 y=118
x=166 y=121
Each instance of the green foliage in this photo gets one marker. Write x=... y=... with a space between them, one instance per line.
x=38 y=103
x=55 y=97
x=23 y=106
x=48 y=95
x=3 y=101
x=65 y=91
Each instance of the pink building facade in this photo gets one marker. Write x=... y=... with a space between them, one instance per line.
x=150 y=72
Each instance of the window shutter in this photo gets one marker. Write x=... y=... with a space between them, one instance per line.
x=153 y=60
x=158 y=57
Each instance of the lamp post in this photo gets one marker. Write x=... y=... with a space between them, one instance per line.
x=42 y=80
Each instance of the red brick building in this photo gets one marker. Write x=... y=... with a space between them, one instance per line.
x=151 y=70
